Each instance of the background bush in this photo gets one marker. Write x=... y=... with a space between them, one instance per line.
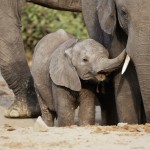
x=37 y=21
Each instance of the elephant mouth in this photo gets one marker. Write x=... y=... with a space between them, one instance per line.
x=101 y=76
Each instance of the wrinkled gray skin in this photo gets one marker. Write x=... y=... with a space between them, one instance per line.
x=118 y=24
x=66 y=72
x=13 y=64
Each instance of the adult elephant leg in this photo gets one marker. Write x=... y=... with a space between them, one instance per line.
x=127 y=92
x=128 y=98
x=141 y=59
x=108 y=104
x=13 y=64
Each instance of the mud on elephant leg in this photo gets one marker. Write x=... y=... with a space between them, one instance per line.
x=16 y=73
x=25 y=105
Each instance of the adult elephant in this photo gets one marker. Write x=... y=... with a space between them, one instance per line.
x=13 y=64
x=124 y=23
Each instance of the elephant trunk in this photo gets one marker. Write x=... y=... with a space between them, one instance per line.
x=108 y=65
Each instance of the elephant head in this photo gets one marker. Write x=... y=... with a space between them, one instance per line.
x=83 y=59
x=129 y=19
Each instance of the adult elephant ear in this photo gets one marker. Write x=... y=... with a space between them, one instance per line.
x=107 y=19
x=61 y=70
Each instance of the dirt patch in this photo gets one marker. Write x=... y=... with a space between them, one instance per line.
x=74 y=138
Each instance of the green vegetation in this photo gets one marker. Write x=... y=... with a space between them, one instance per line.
x=37 y=21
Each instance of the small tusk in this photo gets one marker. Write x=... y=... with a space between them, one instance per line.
x=126 y=63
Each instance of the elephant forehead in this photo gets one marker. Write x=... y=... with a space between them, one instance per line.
x=89 y=48
x=88 y=44
x=84 y=47
x=83 y=51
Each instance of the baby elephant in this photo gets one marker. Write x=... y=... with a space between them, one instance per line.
x=66 y=72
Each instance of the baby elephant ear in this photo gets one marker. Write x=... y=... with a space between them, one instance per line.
x=61 y=70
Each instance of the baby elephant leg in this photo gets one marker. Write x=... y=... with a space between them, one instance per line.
x=87 y=107
x=65 y=104
x=47 y=116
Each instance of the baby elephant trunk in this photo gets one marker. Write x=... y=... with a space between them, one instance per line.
x=108 y=65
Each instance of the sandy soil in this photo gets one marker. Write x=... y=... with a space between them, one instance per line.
x=23 y=134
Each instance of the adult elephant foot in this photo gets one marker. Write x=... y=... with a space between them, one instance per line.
x=26 y=104
x=22 y=109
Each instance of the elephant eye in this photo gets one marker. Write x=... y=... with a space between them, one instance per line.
x=124 y=13
x=85 y=60
x=123 y=18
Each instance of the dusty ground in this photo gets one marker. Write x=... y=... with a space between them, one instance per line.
x=21 y=134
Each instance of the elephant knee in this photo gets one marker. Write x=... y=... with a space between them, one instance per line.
x=12 y=48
